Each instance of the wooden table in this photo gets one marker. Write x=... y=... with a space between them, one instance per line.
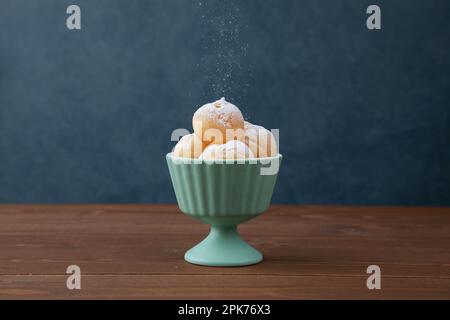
x=136 y=251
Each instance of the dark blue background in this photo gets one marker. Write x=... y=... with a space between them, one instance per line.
x=86 y=116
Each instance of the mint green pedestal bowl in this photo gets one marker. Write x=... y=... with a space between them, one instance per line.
x=223 y=195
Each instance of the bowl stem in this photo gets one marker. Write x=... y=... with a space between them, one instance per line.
x=223 y=247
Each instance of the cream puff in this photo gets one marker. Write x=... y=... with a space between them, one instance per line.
x=232 y=150
x=261 y=141
x=218 y=122
x=189 y=146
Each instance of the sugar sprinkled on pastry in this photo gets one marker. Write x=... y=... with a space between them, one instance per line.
x=261 y=141
x=232 y=150
x=189 y=146
x=217 y=121
x=210 y=152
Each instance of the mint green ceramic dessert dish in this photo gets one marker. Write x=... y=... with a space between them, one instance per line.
x=223 y=195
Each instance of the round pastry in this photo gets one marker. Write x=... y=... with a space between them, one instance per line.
x=232 y=150
x=209 y=153
x=189 y=146
x=217 y=122
x=261 y=141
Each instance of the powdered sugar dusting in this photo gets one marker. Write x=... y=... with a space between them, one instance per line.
x=224 y=48
x=222 y=111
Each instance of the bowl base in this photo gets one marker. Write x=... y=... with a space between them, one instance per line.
x=223 y=247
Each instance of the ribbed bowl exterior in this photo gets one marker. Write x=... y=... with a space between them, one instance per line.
x=234 y=192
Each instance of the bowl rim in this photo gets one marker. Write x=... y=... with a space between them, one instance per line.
x=264 y=160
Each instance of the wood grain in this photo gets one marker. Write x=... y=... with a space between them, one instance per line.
x=136 y=251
